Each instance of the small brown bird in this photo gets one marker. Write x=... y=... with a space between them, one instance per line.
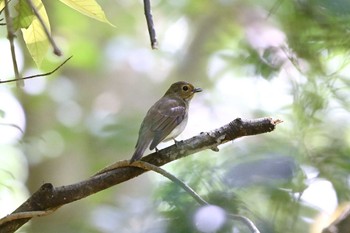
x=166 y=119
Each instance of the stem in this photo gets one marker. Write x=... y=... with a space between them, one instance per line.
x=149 y=20
x=38 y=75
x=10 y=37
x=246 y=221
x=56 y=50
x=188 y=189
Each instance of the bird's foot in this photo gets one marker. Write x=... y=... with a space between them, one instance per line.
x=177 y=143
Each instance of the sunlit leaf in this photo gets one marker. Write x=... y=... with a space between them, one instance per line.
x=2 y=4
x=35 y=37
x=89 y=8
x=24 y=16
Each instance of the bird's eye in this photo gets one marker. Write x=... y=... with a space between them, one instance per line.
x=185 y=88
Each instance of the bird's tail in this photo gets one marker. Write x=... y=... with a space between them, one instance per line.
x=140 y=149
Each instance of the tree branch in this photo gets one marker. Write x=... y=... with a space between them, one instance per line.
x=149 y=20
x=49 y=197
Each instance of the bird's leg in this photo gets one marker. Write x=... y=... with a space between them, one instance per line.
x=156 y=150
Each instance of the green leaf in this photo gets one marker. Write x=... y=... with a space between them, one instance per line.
x=35 y=37
x=25 y=15
x=89 y=8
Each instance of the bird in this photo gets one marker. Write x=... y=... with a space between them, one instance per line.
x=166 y=119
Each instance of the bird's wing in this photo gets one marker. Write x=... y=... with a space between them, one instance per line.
x=165 y=116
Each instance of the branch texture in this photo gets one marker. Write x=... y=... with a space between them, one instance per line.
x=49 y=197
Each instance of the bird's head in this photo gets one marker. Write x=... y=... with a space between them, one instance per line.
x=183 y=89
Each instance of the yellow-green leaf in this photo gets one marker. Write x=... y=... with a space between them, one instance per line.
x=24 y=16
x=89 y=8
x=35 y=37
x=2 y=4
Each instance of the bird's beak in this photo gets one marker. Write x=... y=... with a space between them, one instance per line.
x=197 y=90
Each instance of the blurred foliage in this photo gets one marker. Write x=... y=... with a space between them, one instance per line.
x=285 y=59
x=34 y=34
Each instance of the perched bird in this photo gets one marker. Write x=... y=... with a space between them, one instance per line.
x=166 y=119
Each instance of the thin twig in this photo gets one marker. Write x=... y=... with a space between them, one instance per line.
x=150 y=167
x=118 y=164
x=29 y=214
x=149 y=20
x=13 y=125
x=38 y=75
x=56 y=50
x=246 y=221
x=188 y=189
x=8 y=1
x=10 y=37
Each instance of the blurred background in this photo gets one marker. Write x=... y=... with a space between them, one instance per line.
x=284 y=59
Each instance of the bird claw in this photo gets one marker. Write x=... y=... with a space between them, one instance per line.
x=177 y=143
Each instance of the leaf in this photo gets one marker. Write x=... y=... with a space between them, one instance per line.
x=2 y=4
x=89 y=8
x=25 y=15
x=35 y=37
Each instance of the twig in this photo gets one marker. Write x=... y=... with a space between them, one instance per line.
x=118 y=164
x=39 y=75
x=150 y=167
x=10 y=37
x=188 y=189
x=56 y=50
x=8 y=1
x=13 y=125
x=24 y=215
x=246 y=221
x=149 y=20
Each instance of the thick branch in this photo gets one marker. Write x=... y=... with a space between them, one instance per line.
x=49 y=197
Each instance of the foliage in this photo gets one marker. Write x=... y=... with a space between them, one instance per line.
x=33 y=32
